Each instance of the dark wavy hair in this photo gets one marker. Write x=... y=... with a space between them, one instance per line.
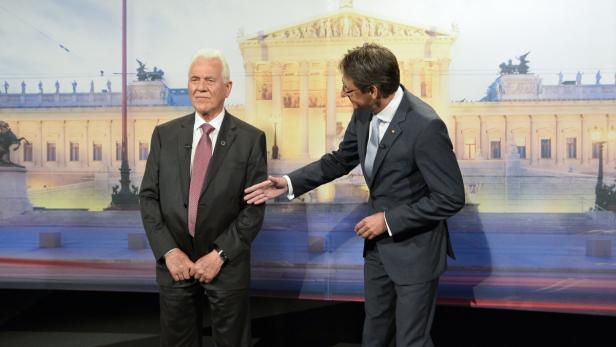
x=372 y=65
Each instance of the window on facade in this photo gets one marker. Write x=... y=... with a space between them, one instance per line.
x=143 y=151
x=27 y=152
x=571 y=148
x=97 y=152
x=546 y=148
x=495 y=149
x=74 y=151
x=118 y=151
x=522 y=152
x=596 y=149
x=51 y=151
x=469 y=148
x=520 y=142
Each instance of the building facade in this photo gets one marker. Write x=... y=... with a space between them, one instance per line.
x=293 y=94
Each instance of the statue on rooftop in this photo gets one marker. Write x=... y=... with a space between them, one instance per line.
x=144 y=75
x=511 y=69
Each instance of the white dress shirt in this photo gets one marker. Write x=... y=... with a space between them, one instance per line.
x=216 y=122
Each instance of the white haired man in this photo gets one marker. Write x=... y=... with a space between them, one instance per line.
x=199 y=227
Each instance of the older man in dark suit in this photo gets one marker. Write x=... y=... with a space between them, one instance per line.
x=199 y=227
x=415 y=185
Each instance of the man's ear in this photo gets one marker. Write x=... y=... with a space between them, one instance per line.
x=374 y=91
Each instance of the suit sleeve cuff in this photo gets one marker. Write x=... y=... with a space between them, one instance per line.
x=387 y=225
x=169 y=252
x=290 y=195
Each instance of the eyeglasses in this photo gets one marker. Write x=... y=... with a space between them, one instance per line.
x=348 y=92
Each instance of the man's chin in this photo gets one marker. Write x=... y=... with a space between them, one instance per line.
x=202 y=109
x=358 y=107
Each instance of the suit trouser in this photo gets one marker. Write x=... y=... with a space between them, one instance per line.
x=181 y=315
x=403 y=311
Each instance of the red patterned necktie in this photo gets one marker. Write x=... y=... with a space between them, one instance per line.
x=203 y=154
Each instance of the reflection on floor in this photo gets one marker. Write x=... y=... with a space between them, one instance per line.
x=119 y=319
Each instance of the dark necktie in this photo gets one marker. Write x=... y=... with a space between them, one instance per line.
x=201 y=161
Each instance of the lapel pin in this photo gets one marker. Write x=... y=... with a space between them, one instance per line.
x=223 y=142
x=393 y=131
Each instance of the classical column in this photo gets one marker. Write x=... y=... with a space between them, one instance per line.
x=611 y=133
x=505 y=140
x=432 y=88
x=531 y=138
x=582 y=147
x=112 y=149
x=458 y=136
x=250 y=92
x=277 y=68
x=405 y=73
x=443 y=81
x=89 y=146
x=66 y=148
x=607 y=139
x=557 y=158
x=332 y=93
x=135 y=147
x=481 y=140
x=416 y=65
x=304 y=72
x=42 y=152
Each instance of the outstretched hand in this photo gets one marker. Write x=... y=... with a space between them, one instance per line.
x=269 y=189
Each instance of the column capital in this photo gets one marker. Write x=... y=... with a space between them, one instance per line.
x=277 y=68
x=304 y=68
x=249 y=67
x=443 y=62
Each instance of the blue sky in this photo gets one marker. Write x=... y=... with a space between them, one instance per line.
x=567 y=35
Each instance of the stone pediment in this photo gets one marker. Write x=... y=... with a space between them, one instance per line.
x=348 y=24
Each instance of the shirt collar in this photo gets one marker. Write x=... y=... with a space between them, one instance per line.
x=216 y=122
x=388 y=113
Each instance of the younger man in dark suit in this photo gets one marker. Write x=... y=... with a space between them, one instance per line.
x=415 y=185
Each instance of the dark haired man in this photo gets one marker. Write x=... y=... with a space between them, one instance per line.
x=415 y=185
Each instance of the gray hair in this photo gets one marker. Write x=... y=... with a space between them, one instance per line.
x=207 y=54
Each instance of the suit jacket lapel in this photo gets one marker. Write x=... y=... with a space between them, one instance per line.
x=363 y=126
x=225 y=139
x=391 y=134
x=185 y=136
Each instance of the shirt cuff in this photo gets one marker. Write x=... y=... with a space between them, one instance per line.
x=169 y=252
x=290 y=195
x=387 y=225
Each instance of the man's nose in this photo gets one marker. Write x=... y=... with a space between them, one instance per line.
x=202 y=85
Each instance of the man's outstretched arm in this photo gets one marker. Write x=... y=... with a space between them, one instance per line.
x=269 y=189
